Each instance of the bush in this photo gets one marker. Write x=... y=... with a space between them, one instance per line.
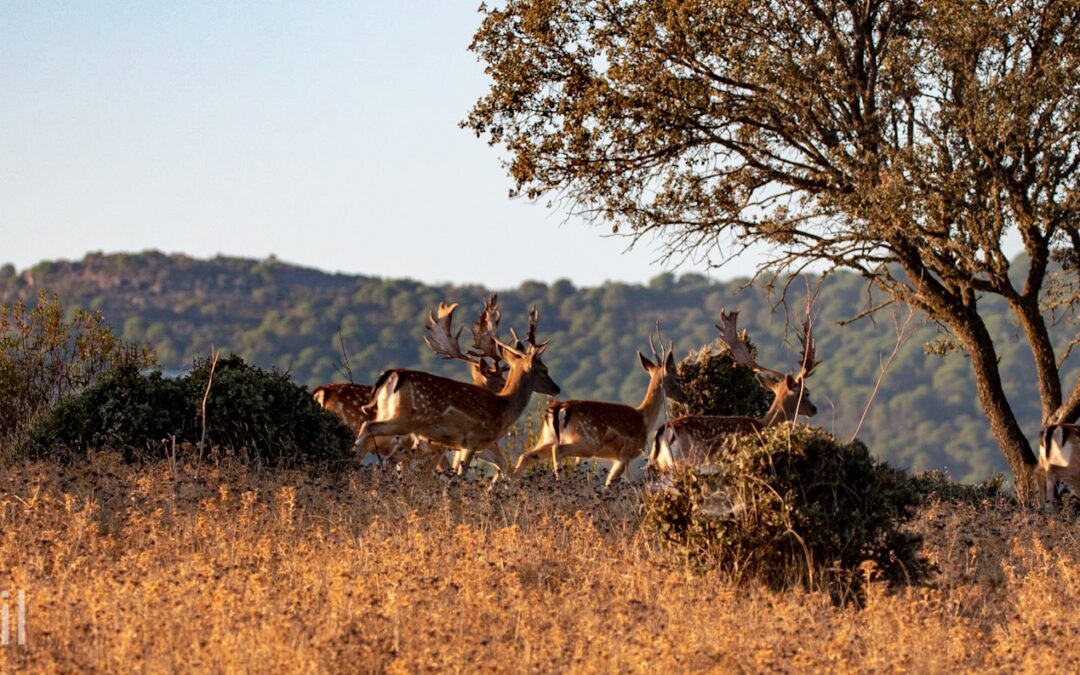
x=45 y=358
x=714 y=385
x=259 y=412
x=124 y=410
x=796 y=507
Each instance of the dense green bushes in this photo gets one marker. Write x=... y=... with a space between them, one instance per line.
x=251 y=411
x=794 y=507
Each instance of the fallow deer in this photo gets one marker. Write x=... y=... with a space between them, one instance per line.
x=455 y=414
x=1059 y=458
x=700 y=438
x=485 y=361
x=599 y=429
x=347 y=400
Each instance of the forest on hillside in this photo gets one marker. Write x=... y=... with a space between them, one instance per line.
x=319 y=326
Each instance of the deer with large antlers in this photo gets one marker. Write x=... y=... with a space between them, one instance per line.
x=455 y=414
x=486 y=364
x=599 y=429
x=699 y=438
x=347 y=400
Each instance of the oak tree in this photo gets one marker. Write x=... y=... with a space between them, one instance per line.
x=906 y=140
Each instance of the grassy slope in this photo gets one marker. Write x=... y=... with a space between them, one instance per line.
x=151 y=568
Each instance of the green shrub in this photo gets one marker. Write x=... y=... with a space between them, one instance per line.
x=714 y=385
x=795 y=507
x=124 y=409
x=264 y=411
x=260 y=412
x=45 y=358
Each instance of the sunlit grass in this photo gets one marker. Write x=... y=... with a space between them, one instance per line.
x=239 y=568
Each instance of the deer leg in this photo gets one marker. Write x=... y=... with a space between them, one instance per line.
x=492 y=455
x=370 y=430
x=617 y=470
x=530 y=456
x=465 y=458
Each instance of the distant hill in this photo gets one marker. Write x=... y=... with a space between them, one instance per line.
x=295 y=319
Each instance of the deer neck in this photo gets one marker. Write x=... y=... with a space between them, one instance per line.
x=653 y=404
x=775 y=414
x=515 y=394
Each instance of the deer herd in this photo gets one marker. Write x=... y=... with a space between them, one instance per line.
x=412 y=416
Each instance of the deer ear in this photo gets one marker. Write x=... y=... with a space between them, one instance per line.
x=790 y=381
x=645 y=362
x=670 y=360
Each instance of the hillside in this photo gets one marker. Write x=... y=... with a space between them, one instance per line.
x=296 y=319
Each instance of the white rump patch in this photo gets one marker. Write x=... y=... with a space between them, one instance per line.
x=1062 y=447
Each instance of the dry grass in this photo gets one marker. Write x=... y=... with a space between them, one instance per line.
x=241 y=569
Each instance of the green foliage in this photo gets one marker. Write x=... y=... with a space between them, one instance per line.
x=45 y=357
x=264 y=411
x=796 y=507
x=259 y=413
x=125 y=409
x=714 y=385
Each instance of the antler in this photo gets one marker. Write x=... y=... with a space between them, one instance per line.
x=739 y=351
x=438 y=336
x=530 y=335
x=486 y=329
x=809 y=351
x=485 y=338
x=662 y=355
x=736 y=344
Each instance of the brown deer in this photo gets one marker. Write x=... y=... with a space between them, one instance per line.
x=486 y=365
x=347 y=400
x=604 y=430
x=455 y=414
x=1059 y=458
x=700 y=438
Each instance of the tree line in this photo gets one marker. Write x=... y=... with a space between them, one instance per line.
x=322 y=327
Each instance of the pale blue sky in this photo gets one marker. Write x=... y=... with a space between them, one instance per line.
x=323 y=132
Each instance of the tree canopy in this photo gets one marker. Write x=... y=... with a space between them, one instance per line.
x=907 y=141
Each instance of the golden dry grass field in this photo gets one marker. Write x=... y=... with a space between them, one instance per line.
x=241 y=569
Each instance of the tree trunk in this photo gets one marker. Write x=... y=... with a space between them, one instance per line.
x=984 y=362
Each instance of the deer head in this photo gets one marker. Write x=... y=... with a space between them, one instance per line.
x=791 y=394
x=663 y=369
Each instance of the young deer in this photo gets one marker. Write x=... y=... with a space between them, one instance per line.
x=456 y=414
x=699 y=438
x=614 y=431
x=1059 y=458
